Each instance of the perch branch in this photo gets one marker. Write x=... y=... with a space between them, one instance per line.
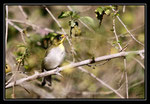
x=72 y=65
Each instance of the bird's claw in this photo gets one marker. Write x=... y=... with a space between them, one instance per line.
x=57 y=72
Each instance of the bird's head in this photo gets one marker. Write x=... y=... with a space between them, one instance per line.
x=58 y=39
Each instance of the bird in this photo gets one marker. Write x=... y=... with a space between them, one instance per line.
x=54 y=57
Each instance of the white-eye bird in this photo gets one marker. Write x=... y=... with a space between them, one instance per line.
x=54 y=57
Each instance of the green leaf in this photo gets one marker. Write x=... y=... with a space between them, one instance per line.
x=21 y=45
x=26 y=66
x=119 y=41
x=117 y=14
x=114 y=42
x=99 y=10
x=75 y=15
x=65 y=14
x=107 y=12
x=88 y=20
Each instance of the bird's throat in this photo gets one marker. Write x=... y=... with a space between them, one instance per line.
x=61 y=46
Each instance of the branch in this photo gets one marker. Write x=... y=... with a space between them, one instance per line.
x=35 y=27
x=72 y=48
x=19 y=29
x=139 y=62
x=126 y=77
x=101 y=81
x=132 y=30
x=72 y=65
x=82 y=22
x=6 y=28
x=114 y=30
x=22 y=11
x=128 y=30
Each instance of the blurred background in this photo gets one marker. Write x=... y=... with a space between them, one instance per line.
x=88 y=43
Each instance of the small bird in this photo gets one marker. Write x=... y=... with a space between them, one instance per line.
x=54 y=57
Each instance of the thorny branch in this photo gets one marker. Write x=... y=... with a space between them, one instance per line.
x=72 y=65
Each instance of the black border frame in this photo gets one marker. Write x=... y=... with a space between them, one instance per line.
x=76 y=99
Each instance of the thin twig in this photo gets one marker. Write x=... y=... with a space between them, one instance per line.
x=142 y=56
x=72 y=65
x=6 y=28
x=122 y=76
x=124 y=8
x=139 y=62
x=19 y=29
x=132 y=30
x=72 y=48
x=35 y=27
x=101 y=81
x=114 y=30
x=110 y=92
x=22 y=11
x=54 y=19
x=136 y=84
x=82 y=22
x=121 y=49
x=126 y=77
x=132 y=36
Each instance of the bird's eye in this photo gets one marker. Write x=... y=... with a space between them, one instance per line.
x=60 y=38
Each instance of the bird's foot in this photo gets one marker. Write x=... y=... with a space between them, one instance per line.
x=57 y=72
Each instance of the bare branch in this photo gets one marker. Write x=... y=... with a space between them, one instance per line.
x=72 y=65
x=72 y=48
x=126 y=77
x=35 y=27
x=82 y=22
x=114 y=30
x=124 y=8
x=142 y=56
x=128 y=30
x=101 y=81
x=22 y=11
x=6 y=35
x=19 y=29
x=139 y=62
x=121 y=49
x=132 y=30
x=136 y=84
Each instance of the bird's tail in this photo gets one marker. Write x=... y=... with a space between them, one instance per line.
x=48 y=80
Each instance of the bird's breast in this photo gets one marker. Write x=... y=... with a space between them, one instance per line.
x=54 y=57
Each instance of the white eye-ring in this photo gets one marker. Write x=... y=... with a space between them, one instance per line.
x=60 y=38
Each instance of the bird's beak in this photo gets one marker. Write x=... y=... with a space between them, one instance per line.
x=64 y=36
